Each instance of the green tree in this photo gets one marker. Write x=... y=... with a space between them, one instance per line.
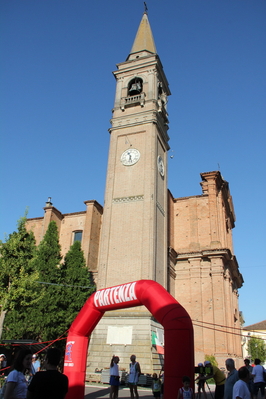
x=40 y=296
x=77 y=280
x=48 y=313
x=17 y=282
x=257 y=348
x=211 y=359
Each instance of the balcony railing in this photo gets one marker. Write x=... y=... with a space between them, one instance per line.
x=138 y=99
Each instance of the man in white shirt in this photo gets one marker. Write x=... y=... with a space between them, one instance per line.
x=240 y=389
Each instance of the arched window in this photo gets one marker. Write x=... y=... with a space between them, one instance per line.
x=135 y=86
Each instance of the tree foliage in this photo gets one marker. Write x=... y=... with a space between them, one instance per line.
x=17 y=281
x=39 y=295
x=48 y=314
x=257 y=348
x=78 y=281
x=63 y=290
x=211 y=359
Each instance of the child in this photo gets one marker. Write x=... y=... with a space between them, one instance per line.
x=156 y=386
x=185 y=392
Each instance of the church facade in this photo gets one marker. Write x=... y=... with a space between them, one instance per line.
x=143 y=232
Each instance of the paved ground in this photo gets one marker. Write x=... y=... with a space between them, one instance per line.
x=102 y=391
x=95 y=392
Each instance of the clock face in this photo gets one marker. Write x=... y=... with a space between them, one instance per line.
x=130 y=157
x=160 y=165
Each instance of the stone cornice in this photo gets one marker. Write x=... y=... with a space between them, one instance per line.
x=229 y=261
x=142 y=118
x=95 y=203
x=191 y=196
x=134 y=198
x=54 y=210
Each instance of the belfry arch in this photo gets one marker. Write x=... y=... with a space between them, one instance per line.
x=178 y=332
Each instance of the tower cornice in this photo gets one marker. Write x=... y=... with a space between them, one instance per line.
x=140 y=119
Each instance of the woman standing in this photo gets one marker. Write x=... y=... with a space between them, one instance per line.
x=133 y=378
x=16 y=383
x=114 y=377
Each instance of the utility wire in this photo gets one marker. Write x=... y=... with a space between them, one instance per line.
x=233 y=328
x=227 y=332
x=57 y=339
x=63 y=285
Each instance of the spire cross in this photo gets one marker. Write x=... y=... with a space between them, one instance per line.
x=145 y=8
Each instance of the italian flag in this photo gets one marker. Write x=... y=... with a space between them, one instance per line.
x=155 y=341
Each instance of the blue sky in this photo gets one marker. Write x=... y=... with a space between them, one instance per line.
x=57 y=92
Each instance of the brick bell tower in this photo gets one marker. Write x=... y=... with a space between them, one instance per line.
x=133 y=243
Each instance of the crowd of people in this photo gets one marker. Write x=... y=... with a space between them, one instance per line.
x=25 y=381
x=244 y=383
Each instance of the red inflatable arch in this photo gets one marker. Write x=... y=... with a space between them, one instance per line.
x=178 y=332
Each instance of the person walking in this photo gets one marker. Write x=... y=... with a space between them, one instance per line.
x=231 y=379
x=16 y=383
x=50 y=383
x=240 y=389
x=259 y=384
x=114 y=377
x=133 y=378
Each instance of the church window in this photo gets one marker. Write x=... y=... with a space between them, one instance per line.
x=77 y=235
x=135 y=86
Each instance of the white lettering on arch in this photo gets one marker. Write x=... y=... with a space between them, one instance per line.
x=120 y=294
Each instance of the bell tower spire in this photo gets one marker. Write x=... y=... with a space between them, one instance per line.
x=134 y=231
x=144 y=41
x=134 y=241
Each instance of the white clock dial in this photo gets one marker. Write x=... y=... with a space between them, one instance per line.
x=130 y=157
x=160 y=165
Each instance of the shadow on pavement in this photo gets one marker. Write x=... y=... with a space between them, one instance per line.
x=103 y=393
x=100 y=392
